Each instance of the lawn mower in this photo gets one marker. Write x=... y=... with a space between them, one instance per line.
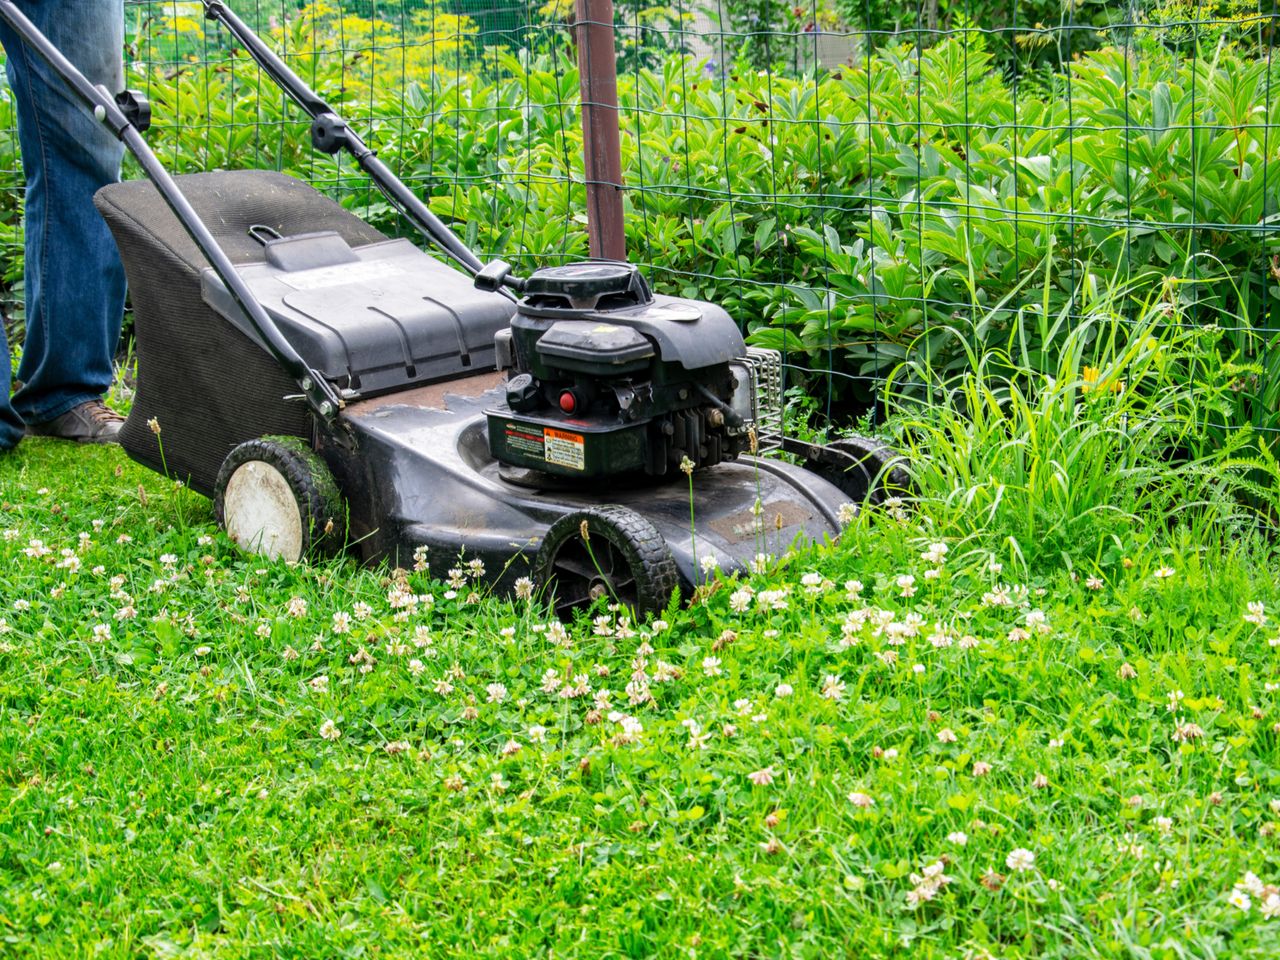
x=333 y=388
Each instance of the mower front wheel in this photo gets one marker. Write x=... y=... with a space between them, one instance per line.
x=276 y=498
x=605 y=553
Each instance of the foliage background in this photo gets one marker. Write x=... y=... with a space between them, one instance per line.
x=870 y=187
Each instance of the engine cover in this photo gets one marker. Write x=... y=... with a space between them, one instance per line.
x=607 y=378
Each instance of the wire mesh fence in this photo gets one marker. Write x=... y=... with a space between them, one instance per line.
x=870 y=187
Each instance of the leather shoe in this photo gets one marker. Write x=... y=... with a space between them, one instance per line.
x=90 y=422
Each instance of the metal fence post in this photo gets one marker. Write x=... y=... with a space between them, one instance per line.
x=601 y=149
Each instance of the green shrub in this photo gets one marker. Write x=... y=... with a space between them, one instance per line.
x=854 y=220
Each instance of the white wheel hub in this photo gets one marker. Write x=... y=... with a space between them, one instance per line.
x=261 y=513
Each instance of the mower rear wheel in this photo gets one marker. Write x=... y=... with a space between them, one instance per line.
x=605 y=553
x=276 y=498
x=865 y=470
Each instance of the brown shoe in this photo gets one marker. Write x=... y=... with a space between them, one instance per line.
x=90 y=422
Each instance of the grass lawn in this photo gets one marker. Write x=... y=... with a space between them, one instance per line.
x=874 y=749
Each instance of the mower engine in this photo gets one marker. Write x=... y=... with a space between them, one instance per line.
x=607 y=379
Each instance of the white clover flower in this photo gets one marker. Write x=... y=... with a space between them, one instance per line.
x=833 y=687
x=497 y=692
x=958 y=837
x=782 y=690
x=329 y=730
x=537 y=734
x=342 y=622
x=1020 y=859
x=1256 y=613
x=861 y=800
x=762 y=777
x=711 y=666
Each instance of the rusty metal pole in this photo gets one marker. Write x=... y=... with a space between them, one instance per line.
x=601 y=148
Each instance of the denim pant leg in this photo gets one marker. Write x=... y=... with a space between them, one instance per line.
x=74 y=280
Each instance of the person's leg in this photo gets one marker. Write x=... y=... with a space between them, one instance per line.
x=74 y=280
x=10 y=422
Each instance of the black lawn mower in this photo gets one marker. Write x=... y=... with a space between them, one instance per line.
x=332 y=388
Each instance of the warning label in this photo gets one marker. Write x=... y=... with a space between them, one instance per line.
x=564 y=449
x=522 y=440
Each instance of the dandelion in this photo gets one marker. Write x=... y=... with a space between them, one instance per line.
x=861 y=800
x=329 y=730
x=1020 y=859
x=762 y=777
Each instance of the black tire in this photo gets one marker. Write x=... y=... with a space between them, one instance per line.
x=865 y=470
x=275 y=497
x=621 y=559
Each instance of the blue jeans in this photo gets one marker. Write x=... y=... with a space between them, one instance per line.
x=74 y=280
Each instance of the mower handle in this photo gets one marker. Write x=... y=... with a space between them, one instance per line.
x=330 y=133
x=119 y=116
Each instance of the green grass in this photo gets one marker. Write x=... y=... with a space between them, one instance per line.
x=167 y=791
